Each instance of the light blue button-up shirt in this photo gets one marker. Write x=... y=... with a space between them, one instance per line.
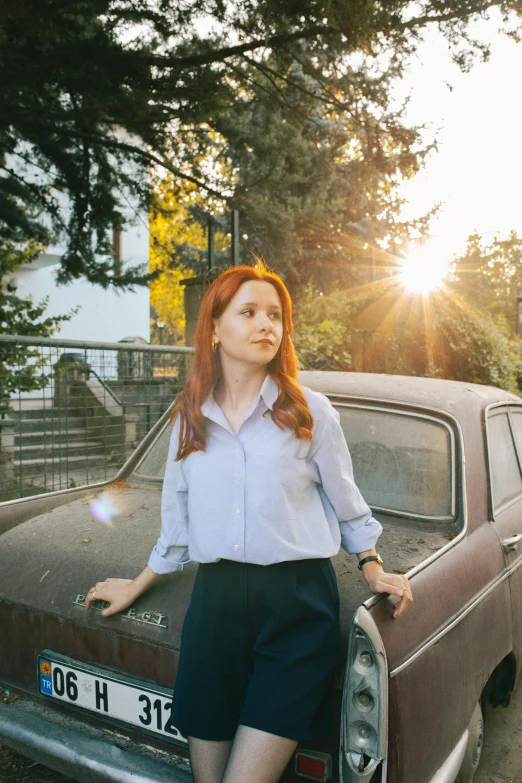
x=262 y=496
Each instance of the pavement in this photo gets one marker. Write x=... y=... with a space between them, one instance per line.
x=501 y=760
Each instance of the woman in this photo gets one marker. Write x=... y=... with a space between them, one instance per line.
x=259 y=490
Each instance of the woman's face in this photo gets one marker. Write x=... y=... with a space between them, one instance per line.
x=251 y=328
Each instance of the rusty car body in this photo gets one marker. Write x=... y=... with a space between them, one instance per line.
x=439 y=462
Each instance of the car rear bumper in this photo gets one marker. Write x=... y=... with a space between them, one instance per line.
x=88 y=755
x=450 y=769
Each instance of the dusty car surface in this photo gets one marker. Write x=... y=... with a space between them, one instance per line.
x=439 y=462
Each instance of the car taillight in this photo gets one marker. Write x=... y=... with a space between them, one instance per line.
x=364 y=720
x=313 y=765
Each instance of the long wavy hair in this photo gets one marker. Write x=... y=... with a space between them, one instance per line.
x=290 y=410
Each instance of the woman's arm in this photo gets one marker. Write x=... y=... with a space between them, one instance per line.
x=121 y=593
x=171 y=551
x=359 y=529
x=380 y=582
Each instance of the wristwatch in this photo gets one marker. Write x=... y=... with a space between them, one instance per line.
x=376 y=557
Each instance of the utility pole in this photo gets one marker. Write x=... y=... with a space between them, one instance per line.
x=161 y=326
x=517 y=321
x=234 y=245
x=210 y=243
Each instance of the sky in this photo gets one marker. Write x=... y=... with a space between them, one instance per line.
x=477 y=170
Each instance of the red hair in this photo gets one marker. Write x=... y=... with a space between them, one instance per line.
x=290 y=410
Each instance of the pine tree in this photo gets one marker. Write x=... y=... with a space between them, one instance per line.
x=97 y=97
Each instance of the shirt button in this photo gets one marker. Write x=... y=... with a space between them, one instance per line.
x=238 y=511
x=239 y=478
x=236 y=546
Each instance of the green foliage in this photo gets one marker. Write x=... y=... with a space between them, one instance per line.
x=489 y=275
x=320 y=336
x=314 y=183
x=444 y=337
x=322 y=330
x=389 y=330
x=21 y=366
x=278 y=109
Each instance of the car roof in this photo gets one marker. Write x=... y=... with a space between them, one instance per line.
x=455 y=397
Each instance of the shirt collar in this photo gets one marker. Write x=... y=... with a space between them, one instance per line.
x=269 y=392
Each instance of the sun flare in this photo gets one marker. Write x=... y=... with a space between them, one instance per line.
x=423 y=270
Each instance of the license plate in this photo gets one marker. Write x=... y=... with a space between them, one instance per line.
x=107 y=693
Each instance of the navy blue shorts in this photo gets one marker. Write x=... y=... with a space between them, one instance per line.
x=258 y=648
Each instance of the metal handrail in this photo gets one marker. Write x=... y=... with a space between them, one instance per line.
x=69 y=440
x=106 y=387
x=58 y=343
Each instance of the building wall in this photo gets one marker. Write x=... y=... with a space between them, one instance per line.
x=104 y=313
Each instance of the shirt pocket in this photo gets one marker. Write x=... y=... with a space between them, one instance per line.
x=278 y=488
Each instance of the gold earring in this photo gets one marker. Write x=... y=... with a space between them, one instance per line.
x=214 y=347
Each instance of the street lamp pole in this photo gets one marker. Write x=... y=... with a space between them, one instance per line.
x=234 y=245
x=517 y=322
x=161 y=326
x=210 y=243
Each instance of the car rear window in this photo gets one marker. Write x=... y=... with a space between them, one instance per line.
x=401 y=462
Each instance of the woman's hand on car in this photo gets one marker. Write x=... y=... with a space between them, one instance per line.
x=394 y=584
x=116 y=592
x=121 y=593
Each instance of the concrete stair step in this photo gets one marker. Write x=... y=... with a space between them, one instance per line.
x=43 y=466
x=49 y=412
x=48 y=424
x=32 y=438
x=56 y=452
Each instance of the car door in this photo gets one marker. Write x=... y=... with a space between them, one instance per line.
x=504 y=437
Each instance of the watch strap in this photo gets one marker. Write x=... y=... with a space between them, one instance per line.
x=368 y=559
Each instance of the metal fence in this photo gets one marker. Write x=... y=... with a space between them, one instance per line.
x=72 y=412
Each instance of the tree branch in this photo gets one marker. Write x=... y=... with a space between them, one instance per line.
x=130 y=148
x=271 y=42
x=231 y=51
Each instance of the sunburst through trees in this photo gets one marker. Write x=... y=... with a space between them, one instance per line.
x=418 y=316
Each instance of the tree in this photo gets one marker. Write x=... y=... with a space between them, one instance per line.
x=20 y=365
x=94 y=93
x=178 y=249
x=437 y=335
x=176 y=246
x=313 y=185
x=489 y=275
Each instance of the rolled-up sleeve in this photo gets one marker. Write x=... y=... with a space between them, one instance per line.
x=359 y=529
x=171 y=551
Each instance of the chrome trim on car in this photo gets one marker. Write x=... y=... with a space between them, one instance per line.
x=72 y=747
x=507 y=404
x=438 y=420
x=456 y=620
x=159 y=432
x=451 y=767
x=516 y=566
x=151 y=617
x=463 y=504
x=127 y=468
x=363 y=620
x=459 y=441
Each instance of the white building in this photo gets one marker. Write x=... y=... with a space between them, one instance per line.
x=104 y=314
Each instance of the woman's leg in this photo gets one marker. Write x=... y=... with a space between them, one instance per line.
x=208 y=759
x=257 y=757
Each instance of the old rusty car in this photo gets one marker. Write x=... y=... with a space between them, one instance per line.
x=440 y=464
